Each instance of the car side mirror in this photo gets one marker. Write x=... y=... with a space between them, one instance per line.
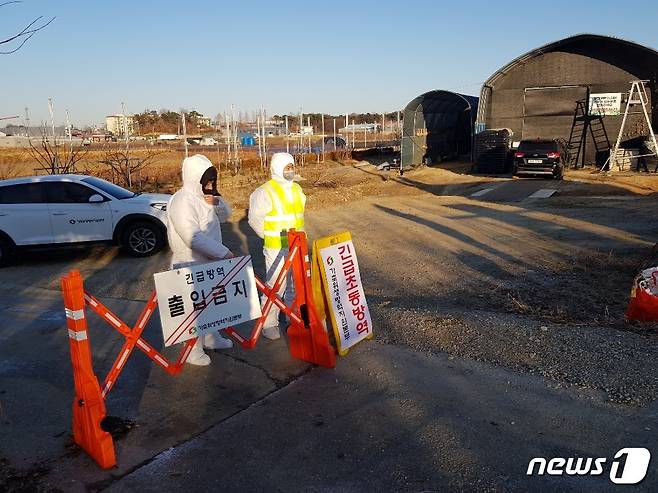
x=96 y=198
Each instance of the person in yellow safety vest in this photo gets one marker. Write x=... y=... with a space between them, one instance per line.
x=274 y=208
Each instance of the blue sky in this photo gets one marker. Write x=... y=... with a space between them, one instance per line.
x=330 y=57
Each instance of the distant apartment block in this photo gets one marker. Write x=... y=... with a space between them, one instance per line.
x=203 y=121
x=118 y=124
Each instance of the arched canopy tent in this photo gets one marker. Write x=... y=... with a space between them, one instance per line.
x=536 y=94
x=437 y=125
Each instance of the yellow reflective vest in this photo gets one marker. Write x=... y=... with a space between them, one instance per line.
x=285 y=214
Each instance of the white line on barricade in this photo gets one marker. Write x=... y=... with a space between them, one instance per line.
x=124 y=356
x=143 y=320
x=161 y=361
x=143 y=345
x=106 y=388
x=113 y=320
x=90 y=300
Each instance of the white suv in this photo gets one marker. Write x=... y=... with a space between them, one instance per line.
x=62 y=209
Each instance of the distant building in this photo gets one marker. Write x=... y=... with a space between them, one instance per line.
x=203 y=121
x=307 y=130
x=101 y=137
x=118 y=124
x=275 y=122
x=361 y=127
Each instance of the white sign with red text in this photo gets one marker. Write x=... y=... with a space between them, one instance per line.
x=348 y=304
x=203 y=298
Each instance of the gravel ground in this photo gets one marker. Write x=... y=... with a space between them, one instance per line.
x=540 y=288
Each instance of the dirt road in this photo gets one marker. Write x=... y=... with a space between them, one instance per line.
x=520 y=288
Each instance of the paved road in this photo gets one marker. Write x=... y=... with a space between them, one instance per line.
x=388 y=417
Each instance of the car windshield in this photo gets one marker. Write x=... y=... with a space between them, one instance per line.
x=114 y=190
x=538 y=146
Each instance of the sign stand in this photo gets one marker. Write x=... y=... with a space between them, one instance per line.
x=338 y=283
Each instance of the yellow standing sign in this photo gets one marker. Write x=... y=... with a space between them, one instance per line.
x=337 y=281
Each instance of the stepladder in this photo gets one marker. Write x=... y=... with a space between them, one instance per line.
x=637 y=96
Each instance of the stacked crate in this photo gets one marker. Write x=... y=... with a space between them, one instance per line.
x=492 y=151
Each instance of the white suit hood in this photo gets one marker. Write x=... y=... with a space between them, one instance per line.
x=193 y=169
x=277 y=164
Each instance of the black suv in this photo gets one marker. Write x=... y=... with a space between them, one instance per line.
x=540 y=158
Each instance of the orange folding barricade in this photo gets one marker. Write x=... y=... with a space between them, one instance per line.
x=308 y=341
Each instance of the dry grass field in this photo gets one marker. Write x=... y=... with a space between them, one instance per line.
x=162 y=173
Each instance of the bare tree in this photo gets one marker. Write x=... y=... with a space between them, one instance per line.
x=124 y=163
x=25 y=34
x=53 y=157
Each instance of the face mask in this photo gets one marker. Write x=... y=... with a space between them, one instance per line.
x=209 y=188
x=289 y=175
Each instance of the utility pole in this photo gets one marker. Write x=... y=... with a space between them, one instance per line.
x=185 y=135
x=334 y=136
x=301 y=137
x=228 y=141
x=125 y=133
x=55 y=164
x=322 y=116
x=264 y=136
x=260 y=140
x=27 y=125
x=399 y=130
x=69 y=130
x=287 y=137
x=308 y=124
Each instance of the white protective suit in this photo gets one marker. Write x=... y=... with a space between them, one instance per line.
x=260 y=205
x=195 y=236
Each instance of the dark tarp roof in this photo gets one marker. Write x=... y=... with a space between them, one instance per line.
x=442 y=102
x=635 y=59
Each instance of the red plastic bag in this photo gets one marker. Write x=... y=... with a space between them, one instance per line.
x=643 y=305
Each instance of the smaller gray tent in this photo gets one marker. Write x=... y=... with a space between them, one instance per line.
x=437 y=125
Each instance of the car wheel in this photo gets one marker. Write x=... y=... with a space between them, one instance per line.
x=143 y=238
x=5 y=252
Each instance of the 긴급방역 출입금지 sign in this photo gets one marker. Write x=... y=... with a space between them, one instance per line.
x=344 y=291
x=202 y=298
x=604 y=104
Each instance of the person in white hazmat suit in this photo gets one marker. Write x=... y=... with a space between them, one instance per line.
x=275 y=207
x=194 y=214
